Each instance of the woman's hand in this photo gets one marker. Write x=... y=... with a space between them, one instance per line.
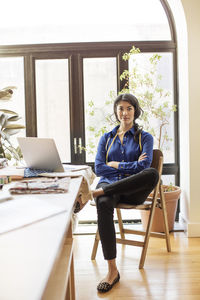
x=113 y=164
x=143 y=156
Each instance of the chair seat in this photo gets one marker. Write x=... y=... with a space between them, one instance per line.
x=146 y=205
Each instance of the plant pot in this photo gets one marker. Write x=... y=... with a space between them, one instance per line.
x=171 y=201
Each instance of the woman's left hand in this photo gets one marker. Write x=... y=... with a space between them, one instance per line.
x=143 y=156
x=113 y=164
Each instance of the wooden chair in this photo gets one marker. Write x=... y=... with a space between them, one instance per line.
x=150 y=204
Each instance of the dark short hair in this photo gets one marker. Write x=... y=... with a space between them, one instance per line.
x=130 y=99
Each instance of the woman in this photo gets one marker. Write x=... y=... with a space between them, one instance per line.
x=123 y=161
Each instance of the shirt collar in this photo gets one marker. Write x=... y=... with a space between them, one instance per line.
x=114 y=131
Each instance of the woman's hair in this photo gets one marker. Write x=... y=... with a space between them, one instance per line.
x=138 y=110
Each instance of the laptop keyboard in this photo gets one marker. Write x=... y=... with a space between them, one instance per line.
x=29 y=172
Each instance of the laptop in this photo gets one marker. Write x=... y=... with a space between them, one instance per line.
x=40 y=153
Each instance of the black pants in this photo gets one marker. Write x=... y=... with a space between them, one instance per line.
x=131 y=190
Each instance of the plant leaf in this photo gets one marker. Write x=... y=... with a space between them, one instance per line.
x=11 y=131
x=3 y=119
x=14 y=126
x=9 y=88
x=6 y=94
x=14 y=152
x=5 y=136
x=9 y=112
x=14 y=118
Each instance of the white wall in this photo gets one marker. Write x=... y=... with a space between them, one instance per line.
x=187 y=17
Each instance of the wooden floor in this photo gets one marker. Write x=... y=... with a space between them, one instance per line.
x=174 y=275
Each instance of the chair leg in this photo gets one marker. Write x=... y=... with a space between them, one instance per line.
x=148 y=231
x=95 y=246
x=121 y=228
x=166 y=227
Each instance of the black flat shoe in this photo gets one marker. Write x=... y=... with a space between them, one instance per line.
x=104 y=287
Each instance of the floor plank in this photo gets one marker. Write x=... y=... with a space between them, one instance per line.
x=172 y=276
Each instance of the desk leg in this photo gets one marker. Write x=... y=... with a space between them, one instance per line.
x=61 y=285
x=70 y=293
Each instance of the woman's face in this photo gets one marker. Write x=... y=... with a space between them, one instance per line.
x=125 y=113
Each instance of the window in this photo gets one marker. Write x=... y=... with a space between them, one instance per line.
x=99 y=79
x=52 y=102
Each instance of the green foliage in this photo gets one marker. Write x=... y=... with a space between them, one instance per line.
x=145 y=83
x=169 y=188
x=8 y=127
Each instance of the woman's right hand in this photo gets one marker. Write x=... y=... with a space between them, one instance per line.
x=113 y=164
x=143 y=156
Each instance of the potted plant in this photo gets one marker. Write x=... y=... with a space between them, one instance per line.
x=144 y=81
x=172 y=195
x=8 y=127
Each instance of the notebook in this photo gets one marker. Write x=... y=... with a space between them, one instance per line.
x=40 y=153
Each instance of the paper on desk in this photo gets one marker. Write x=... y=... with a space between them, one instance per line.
x=86 y=171
x=69 y=170
x=22 y=212
x=59 y=174
x=41 y=186
x=9 y=171
x=74 y=168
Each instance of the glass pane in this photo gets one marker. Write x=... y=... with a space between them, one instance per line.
x=168 y=179
x=12 y=74
x=52 y=93
x=99 y=80
x=103 y=20
x=152 y=84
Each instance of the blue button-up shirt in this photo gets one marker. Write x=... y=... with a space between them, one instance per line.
x=127 y=153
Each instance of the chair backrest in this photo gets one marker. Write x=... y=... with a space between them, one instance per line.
x=157 y=161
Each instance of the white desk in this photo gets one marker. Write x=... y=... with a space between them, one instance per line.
x=36 y=261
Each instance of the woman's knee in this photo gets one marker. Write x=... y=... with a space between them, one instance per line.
x=153 y=176
x=104 y=203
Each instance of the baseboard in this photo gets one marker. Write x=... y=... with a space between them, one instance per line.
x=191 y=229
